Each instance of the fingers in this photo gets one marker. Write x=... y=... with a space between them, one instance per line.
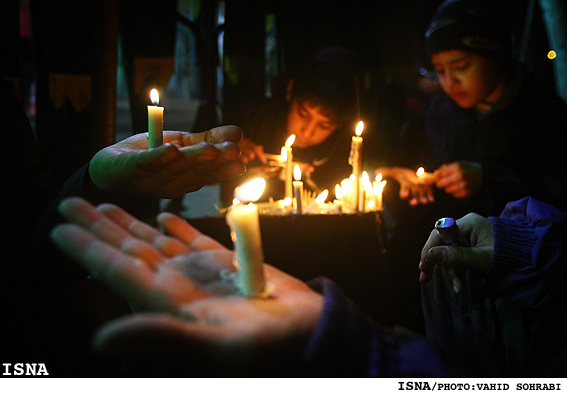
x=167 y=245
x=127 y=275
x=250 y=151
x=205 y=157
x=192 y=168
x=416 y=194
x=460 y=179
x=183 y=231
x=478 y=257
x=84 y=214
x=229 y=133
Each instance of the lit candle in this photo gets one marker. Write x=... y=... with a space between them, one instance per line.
x=377 y=189
x=366 y=191
x=347 y=191
x=355 y=160
x=318 y=206
x=338 y=196
x=155 y=121
x=288 y=165
x=244 y=224
x=320 y=199
x=298 y=189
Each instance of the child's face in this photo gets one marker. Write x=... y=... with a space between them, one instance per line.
x=469 y=79
x=309 y=124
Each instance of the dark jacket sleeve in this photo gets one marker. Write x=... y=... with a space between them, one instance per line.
x=347 y=344
x=530 y=251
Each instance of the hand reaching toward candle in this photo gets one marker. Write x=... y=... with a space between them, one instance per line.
x=250 y=151
x=197 y=319
x=186 y=162
x=461 y=179
x=480 y=234
x=412 y=188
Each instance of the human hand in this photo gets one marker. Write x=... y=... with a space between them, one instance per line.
x=185 y=163
x=250 y=151
x=191 y=320
x=461 y=179
x=480 y=234
x=412 y=188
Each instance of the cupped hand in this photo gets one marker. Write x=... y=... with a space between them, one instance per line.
x=186 y=162
x=412 y=188
x=480 y=235
x=461 y=179
x=191 y=319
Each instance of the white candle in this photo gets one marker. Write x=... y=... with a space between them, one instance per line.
x=347 y=191
x=377 y=189
x=244 y=226
x=298 y=190
x=355 y=160
x=155 y=121
x=288 y=165
x=365 y=192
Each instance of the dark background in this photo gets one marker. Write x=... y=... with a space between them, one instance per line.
x=68 y=37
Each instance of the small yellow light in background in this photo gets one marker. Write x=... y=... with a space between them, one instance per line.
x=551 y=55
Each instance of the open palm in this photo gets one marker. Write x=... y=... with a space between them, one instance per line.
x=189 y=319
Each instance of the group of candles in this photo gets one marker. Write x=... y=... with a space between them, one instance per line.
x=366 y=197
x=356 y=194
x=369 y=196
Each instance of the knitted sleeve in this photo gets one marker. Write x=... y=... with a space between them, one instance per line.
x=530 y=247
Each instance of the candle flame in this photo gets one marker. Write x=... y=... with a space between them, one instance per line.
x=378 y=187
x=296 y=173
x=346 y=186
x=290 y=140
x=359 y=128
x=283 y=155
x=250 y=191
x=286 y=202
x=154 y=96
x=338 y=192
x=420 y=171
x=378 y=177
x=322 y=197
